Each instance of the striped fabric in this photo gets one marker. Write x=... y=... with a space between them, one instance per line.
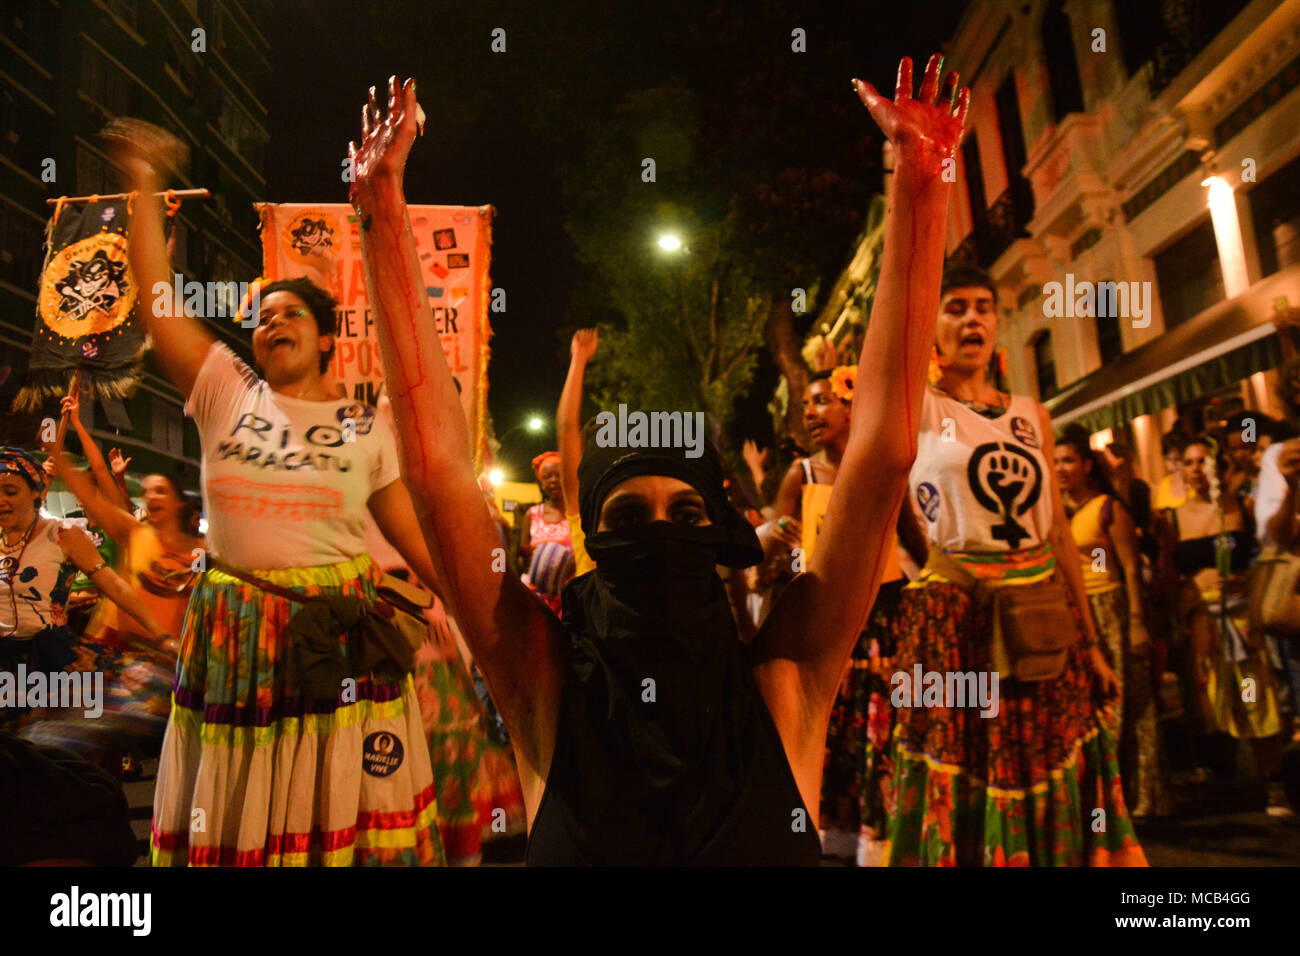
x=253 y=774
x=1024 y=566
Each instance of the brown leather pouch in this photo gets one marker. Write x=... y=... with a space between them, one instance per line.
x=1033 y=626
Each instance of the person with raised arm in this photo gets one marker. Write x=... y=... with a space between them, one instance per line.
x=160 y=552
x=158 y=557
x=295 y=752
x=1012 y=762
x=38 y=556
x=568 y=432
x=645 y=732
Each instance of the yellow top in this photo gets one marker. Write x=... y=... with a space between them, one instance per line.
x=1101 y=571
x=582 y=562
x=1165 y=496
x=815 y=499
x=162 y=579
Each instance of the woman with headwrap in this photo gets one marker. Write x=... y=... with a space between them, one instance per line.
x=158 y=560
x=38 y=556
x=644 y=731
x=546 y=545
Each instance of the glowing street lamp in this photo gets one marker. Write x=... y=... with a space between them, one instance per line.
x=670 y=242
x=535 y=424
x=496 y=477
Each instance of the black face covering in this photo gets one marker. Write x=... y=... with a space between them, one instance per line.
x=660 y=569
x=665 y=752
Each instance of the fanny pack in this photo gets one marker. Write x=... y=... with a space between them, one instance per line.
x=382 y=635
x=1033 y=626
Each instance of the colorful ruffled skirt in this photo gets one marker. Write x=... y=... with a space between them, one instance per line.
x=253 y=773
x=1038 y=784
x=1142 y=758
x=479 y=798
x=856 y=770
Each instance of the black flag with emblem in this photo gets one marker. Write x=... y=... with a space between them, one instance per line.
x=85 y=312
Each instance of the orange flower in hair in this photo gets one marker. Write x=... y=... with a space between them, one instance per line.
x=842 y=380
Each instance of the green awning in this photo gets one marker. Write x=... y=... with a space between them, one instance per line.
x=1217 y=373
x=1231 y=340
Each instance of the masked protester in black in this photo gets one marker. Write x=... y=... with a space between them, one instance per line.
x=642 y=731
x=665 y=752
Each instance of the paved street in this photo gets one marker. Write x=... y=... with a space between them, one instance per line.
x=1217 y=825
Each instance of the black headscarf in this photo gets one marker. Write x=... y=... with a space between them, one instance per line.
x=604 y=468
x=661 y=703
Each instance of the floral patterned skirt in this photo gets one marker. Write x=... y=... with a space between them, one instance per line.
x=479 y=798
x=1141 y=754
x=856 y=771
x=1038 y=784
x=256 y=772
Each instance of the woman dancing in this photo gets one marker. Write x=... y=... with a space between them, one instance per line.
x=644 y=731
x=38 y=556
x=279 y=769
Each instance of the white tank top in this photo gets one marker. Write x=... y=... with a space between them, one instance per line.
x=981 y=484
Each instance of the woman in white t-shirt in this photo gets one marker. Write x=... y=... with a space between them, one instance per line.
x=38 y=557
x=284 y=773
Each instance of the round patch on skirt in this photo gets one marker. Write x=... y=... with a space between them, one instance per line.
x=381 y=754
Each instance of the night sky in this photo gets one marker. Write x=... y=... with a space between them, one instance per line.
x=479 y=146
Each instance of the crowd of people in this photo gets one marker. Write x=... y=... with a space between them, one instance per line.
x=943 y=635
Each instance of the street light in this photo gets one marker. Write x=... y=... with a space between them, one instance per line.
x=496 y=477
x=670 y=242
x=534 y=424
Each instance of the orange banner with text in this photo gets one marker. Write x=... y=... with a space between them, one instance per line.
x=454 y=243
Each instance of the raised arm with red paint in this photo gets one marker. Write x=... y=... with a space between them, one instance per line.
x=813 y=627
x=514 y=638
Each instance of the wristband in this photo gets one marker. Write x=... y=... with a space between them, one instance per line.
x=96 y=569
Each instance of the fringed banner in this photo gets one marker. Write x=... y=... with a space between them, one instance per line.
x=85 y=311
x=454 y=243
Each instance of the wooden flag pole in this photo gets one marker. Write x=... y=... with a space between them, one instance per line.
x=63 y=420
x=177 y=193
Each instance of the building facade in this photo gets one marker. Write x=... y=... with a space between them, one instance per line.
x=66 y=68
x=1132 y=183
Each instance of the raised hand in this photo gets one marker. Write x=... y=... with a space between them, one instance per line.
x=583 y=345
x=144 y=151
x=117 y=462
x=752 y=454
x=925 y=130
x=385 y=141
x=69 y=406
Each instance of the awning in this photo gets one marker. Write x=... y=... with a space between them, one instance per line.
x=1227 y=342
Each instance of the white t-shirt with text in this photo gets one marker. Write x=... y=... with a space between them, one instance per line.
x=285 y=480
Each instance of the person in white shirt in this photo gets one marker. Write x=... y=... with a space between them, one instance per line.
x=287 y=767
